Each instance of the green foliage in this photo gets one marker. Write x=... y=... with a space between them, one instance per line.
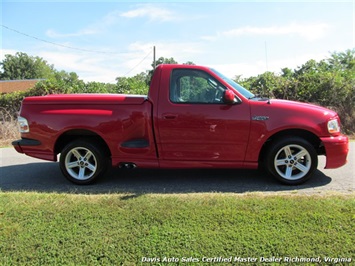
x=163 y=60
x=132 y=85
x=23 y=66
x=121 y=229
x=11 y=102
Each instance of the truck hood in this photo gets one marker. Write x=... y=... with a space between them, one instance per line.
x=85 y=99
x=276 y=115
x=299 y=107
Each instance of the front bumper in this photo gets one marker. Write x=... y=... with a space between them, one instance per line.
x=336 y=151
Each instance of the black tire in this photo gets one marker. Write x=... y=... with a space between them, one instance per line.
x=83 y=162
x=292 y=160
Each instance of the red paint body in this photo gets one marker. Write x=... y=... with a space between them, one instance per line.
x=176 y=135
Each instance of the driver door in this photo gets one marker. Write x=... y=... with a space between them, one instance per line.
x=194 y=124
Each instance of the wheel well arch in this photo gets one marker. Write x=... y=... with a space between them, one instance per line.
x=75 y=134
x=313 y=139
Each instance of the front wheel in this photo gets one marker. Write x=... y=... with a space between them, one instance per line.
x=82 y=162
x=291 y=160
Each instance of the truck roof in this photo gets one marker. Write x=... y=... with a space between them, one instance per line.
x=171 y=66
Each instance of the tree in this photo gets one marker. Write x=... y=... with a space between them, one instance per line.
x=163 y=60
x=23 y=66
x=343 y=60
x=189 y=63
x=66 y=77
x=132 y=85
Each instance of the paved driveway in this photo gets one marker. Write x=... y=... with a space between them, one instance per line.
x=19 y=172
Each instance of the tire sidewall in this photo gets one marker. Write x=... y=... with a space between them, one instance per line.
x=277 y=146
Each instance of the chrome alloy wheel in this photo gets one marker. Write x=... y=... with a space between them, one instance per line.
x=292 y=162
x=80 y=163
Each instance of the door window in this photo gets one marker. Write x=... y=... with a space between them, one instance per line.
x=195 y=86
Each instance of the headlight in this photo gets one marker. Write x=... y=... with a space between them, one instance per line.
x=23 y=125
x=333 y=126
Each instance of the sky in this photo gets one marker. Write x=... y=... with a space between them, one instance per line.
x=101 y=41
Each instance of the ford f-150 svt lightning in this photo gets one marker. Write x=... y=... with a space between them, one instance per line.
x=193 y=117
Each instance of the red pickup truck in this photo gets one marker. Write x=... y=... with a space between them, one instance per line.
x=193 y=117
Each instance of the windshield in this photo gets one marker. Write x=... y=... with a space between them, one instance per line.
x=247 y=94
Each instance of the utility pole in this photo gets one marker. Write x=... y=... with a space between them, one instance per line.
x=154 y=62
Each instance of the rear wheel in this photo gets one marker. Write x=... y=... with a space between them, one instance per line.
x=291 y=160
x=82 y=162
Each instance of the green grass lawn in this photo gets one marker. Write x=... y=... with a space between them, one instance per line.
x=186 y=229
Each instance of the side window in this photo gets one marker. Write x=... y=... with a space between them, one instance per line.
x=194 y=86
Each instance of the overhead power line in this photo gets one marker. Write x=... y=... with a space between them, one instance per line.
x=139 y=63
x=61 y=45
x=78 y=49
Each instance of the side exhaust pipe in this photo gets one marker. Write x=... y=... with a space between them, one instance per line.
x=127 y=165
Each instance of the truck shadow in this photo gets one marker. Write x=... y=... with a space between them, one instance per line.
x=46 y=177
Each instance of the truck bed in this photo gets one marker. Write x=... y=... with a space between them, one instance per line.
x=122 y=99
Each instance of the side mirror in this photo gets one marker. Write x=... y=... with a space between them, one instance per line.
x=229 y=97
